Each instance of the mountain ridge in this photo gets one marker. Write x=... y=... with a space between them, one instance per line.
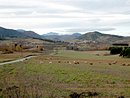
x=90 y=36
x=104 y=38
x=11 y=33
x=58 y=37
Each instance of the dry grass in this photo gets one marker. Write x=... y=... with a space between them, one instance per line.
x=14 y=56
x=37 y=78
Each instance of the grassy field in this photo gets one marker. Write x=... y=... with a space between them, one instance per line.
x=14 y=56
x=59 y=75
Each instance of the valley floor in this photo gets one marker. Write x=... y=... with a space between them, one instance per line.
x=60 y=74
x=14 y=56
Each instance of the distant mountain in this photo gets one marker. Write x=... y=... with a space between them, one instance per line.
x=51 y=33
x=21 y=30
x=58 y=37
x=11 y=33
x=31 y=34
x=103 y=38
x=76 y=35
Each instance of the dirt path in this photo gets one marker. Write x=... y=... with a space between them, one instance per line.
x=19 y=60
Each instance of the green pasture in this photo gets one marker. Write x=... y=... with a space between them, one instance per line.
x=57 y=75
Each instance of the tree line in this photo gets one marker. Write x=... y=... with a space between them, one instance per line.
x=123 y=51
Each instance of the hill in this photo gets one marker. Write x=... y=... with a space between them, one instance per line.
x=11 y=33
x=103 y=38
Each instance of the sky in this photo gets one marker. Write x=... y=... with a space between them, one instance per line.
x=67 y=16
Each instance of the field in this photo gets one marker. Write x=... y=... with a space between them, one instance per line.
x=94 y=74
x=14 y=56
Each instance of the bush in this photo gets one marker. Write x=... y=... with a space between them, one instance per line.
x=125 y=52
x=72 y=47
x=7 y=51
x=115 y=50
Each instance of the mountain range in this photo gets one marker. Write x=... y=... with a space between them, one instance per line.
x=90 y=36
x=11 y=33
x=103 y=38
x=58 y=37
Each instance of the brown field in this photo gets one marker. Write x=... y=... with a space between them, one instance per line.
x=14 y=56
x=92 y=74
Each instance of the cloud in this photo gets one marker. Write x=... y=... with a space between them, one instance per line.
x=89 y=29
x=66 y=15
x=101 y=5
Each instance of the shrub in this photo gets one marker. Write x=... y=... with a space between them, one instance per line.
x=18 y=48
x=6 y=50
x=115 y=50
x=125 y=52
x=72 y=47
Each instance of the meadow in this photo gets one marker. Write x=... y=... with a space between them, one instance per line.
x=94 y=74
x=14 y=56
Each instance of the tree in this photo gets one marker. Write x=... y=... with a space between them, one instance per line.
x=19 y=48
x=115 y=50
x=125 y=52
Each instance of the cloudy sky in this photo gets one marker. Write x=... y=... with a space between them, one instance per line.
x=67 y=16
